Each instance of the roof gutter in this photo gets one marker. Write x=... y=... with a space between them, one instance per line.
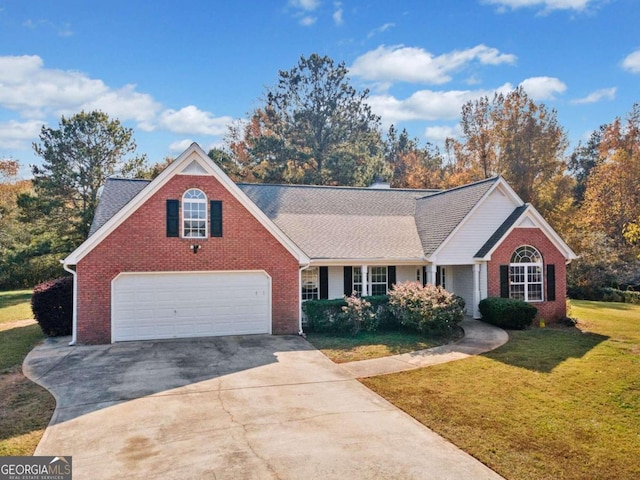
x=74 y=328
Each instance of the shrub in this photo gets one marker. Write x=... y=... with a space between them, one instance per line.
x=507 y=312
x=358 y=314
x=428 y=309
x=324 y=315
x=52 y=305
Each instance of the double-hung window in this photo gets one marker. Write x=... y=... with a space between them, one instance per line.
x=194 y=214
x=525 y=274
x=310 y=284
x=377 y=280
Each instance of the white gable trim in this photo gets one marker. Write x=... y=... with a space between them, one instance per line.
x=527 y=218
x=504 y=187
x=192 y=158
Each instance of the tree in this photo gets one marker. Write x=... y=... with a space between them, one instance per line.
x=612 y=194
x=413 y=166
x=583 y=160
x=77 y=158
x=314 y=127
x=521 y=140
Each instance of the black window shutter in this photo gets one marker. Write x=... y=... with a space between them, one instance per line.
x=391 y=276
x=551 y=282
x=348 y=281
x=215 y=211
x=424 y=276
x=324 y=282
x=438 y=276
x=173 y=218
x=504 y=281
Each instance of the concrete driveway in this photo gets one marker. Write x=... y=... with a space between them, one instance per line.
x=252 y=407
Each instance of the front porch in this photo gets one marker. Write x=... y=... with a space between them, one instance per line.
x=336 y=281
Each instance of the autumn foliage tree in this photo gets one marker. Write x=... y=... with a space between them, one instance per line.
x=515 y=137
x=612 y=194
x=313 y=128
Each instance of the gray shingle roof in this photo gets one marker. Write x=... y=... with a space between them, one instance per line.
x=439 y=214
x=502 y=229
x=342 y=222
x=116 y=193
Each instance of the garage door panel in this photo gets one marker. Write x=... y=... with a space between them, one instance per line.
x=156 y=306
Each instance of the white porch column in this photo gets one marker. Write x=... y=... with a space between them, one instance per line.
x=476 y=290
x=432 y=270
x=365 y=280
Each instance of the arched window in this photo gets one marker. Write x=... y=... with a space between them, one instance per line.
x=525 y=274
x=194 y=214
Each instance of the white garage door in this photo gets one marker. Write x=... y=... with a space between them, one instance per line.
x=176 y=305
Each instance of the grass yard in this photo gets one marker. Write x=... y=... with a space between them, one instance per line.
x=366 y=345
x=25 y=408
x=554 y=403
x=15 y=305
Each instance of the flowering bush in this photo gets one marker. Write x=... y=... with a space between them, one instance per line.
x=428 y=309
x=359 y=314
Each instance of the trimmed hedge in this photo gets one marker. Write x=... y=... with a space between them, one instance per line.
x=52 y=305
x=329 y=315
x=507 y=312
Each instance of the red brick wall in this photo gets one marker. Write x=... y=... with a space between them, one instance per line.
x=550 y=311
x=140 y=245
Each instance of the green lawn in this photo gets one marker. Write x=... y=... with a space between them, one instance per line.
x=15 y=305
x=366 y=345
x=25 y=408
x=554 y=403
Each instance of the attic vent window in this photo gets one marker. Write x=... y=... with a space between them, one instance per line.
x=194 y=214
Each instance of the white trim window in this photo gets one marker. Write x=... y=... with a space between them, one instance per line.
x=378 y=277
x=310 y=284
x=525 y=275
x=357 y=280
x=194 y=214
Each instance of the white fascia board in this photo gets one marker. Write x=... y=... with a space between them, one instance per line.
x=505 y=188
x=193 y=152
x=538 y=220
x=332 y=262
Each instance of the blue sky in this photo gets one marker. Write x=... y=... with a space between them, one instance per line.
x=181 y=71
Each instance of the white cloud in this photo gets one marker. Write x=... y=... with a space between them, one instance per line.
x=427 y=104
x=416 y=65
x=439 y=133
x=307 y=20
x=632 y=62
x=380 y=29
x=337 y=14
x=602 y=94
x=545 y=5
x=18 y=135
x=180 y=145
x=34 y=91
x=543 y=88
x=191 y=120
x=307 y=5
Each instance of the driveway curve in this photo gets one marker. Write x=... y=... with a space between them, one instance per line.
x=251 y=407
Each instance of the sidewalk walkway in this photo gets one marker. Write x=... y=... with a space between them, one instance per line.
x=479 y=337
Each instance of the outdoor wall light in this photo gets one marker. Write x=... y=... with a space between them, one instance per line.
x=195 y=248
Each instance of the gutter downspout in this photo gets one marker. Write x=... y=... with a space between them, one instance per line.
x=74 y=329
x=303 y=267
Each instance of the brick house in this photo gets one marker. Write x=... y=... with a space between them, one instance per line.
x=192 y=253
